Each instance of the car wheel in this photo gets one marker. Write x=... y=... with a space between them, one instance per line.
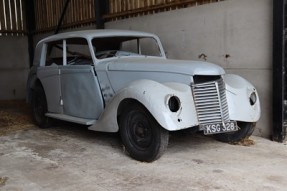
x=144 y=139
x=39 y=107
x=245 y=131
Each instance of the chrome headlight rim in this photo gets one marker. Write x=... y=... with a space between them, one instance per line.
x=253 y=98
x=174 y=104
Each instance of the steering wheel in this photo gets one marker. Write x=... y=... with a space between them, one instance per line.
x=74 y=60
x=106 y=54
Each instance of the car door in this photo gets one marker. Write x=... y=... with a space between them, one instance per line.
x=49 y=74
x=80 y=90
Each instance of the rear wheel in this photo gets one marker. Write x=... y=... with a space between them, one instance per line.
x=245 y=131
x=144 y=139
x=39 y=107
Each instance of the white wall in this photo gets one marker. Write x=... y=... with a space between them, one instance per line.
x=14 y=67
x=236 y=34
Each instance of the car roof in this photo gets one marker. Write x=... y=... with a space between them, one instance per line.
x=89 y=34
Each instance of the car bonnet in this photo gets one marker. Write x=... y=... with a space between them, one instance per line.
x=165 y=65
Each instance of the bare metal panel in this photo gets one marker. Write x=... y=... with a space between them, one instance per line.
x=81 y=93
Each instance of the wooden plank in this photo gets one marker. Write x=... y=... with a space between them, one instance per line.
x=70 y=13
x=84 y=15
x=41 y=13
x=48 y=13
x=84 y=7
x=45 y=14
x=7 y=14
x=13 y=12
x=81 y=10
x=115 y=10
x=67 y=18
x=111 y=7
x=90 y=16
x=2 y=20
x=87 y=11
x=76 y=11
x=87 y=6
x=37 y=16
x=42 y=9
x=57 y=11
x=22 y=13
x=19 y=21
x=51 y=13
x=92 y=9
x=61 y=12
x=54 y=14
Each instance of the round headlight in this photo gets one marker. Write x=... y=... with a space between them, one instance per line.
x=253 y=98
x=174 y=103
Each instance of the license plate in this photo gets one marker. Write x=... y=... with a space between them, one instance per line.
x=210 y=129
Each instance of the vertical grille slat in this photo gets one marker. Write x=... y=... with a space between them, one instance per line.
x=210 y=102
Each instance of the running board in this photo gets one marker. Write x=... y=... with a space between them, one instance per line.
x=71 y=119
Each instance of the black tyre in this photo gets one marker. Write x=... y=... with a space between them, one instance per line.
x=39 y=107
x=245 y=131
x=144 y=139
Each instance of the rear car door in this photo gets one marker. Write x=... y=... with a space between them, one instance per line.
x=49 y=74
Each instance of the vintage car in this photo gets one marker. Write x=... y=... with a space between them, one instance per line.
x=121 y=81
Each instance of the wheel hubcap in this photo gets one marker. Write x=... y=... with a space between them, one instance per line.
x=140 y=131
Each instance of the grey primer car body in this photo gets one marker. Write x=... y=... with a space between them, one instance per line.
x=121 y=81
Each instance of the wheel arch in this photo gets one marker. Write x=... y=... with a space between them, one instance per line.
x=126 y=102
x=33 y=82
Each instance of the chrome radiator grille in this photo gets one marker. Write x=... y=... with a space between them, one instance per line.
x=210 y=102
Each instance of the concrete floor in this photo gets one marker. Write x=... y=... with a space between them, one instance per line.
x=72 y=158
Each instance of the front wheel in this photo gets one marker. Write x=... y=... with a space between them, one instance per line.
x=245 y=131
x=144 y=139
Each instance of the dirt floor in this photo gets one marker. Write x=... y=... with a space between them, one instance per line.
x=14 y=116
x=69 y=157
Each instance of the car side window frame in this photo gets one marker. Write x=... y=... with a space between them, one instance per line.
x=64 y=52
x=43 y=57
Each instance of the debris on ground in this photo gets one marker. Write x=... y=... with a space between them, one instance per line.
x=245 y=142
x=3 y=180
x=14 y=116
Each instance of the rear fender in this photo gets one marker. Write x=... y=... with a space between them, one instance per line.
x=31 y=82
